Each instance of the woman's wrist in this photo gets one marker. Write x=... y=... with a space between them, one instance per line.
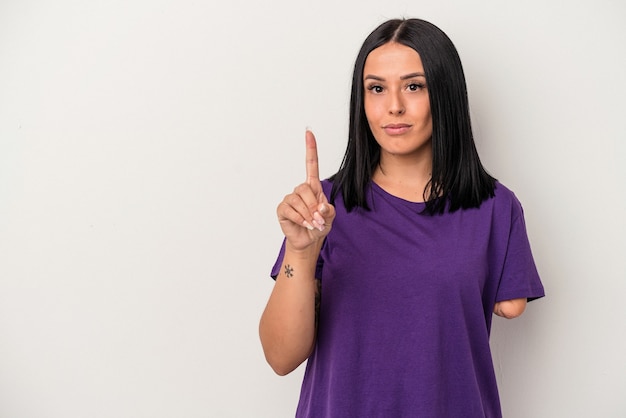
x=312 y=251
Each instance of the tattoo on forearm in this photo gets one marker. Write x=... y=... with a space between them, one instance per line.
x=288 y=270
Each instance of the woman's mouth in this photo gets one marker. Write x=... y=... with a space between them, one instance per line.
x=396 y=128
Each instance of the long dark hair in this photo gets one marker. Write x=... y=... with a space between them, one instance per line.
x=458 y=178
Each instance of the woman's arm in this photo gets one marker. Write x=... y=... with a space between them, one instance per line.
x=510 y=308
x=288 y=324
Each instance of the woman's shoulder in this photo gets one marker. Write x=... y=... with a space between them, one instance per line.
x=502 y=191
x=504 y=198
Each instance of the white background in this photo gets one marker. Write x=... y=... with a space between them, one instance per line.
x=144 y=146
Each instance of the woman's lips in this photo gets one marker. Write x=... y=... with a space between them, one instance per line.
x=396 y=128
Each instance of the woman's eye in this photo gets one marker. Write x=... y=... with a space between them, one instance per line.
x=375 y=89
x=415 y=86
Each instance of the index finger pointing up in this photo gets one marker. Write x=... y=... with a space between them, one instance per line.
x=312 y=168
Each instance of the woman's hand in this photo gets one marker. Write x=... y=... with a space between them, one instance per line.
x=305 y=216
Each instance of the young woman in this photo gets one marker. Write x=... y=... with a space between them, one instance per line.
x=390 y=270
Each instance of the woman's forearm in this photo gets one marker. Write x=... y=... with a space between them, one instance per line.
x=288 y=326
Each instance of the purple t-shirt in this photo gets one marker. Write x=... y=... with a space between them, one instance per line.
x=406 y=308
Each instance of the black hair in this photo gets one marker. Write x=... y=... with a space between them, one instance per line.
x=458 y=178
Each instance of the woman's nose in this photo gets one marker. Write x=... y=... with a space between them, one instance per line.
x=396 y=105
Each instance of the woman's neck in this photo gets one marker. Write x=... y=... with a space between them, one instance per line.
x=404 y=177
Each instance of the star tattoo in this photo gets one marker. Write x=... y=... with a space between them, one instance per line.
x=288 y=271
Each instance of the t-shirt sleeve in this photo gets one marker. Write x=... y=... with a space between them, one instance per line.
x=279 y=263
x=519 y=278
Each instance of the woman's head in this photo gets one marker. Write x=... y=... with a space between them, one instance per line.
x=457 y=174
x=396 y=103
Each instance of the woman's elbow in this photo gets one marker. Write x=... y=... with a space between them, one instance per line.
x=284 y=355
x=510 y=309
x=282 y=368
x=283 y=363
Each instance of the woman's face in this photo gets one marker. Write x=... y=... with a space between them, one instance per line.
x=396 y=100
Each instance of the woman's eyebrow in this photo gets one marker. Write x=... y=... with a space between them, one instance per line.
x=412 y=75
x=404 y=77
